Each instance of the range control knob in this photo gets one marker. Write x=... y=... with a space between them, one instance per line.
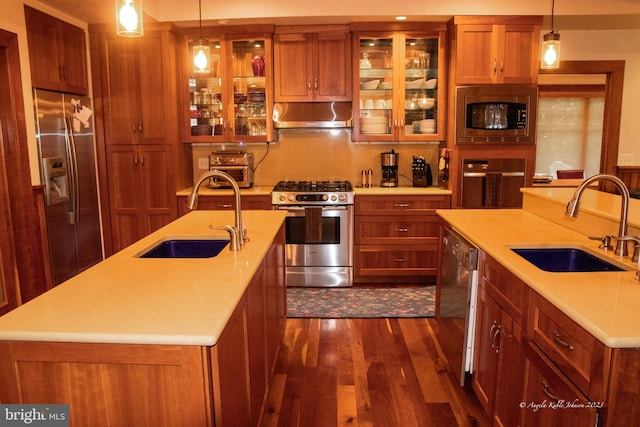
x=343 y=197
x=282 y=197
x=292 y=198
x=325 y=197
x=334 y=197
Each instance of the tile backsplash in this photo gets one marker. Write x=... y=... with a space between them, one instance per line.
x=320 y=154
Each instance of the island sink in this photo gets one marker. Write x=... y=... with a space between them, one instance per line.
x=186 y=248
x=565 y=259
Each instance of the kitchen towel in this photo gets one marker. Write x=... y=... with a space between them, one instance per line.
x=492 y=189
x=313 y=225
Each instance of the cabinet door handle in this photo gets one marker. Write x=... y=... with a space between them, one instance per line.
x=494 y=66
x=401 y=230
x=494 y=343
x=140 y=127
x=135 y=162
x=401 y=259
x=142 y=162
x=224 y=205
x=558 y=340
x=308 y=85
x=546 y=389
x=315 y=85
x=502 y=66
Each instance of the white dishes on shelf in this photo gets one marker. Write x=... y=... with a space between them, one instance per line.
x=427 y=126
x=426 y=103
x=414 y=84
x=375 y=124
x=372 y=84
x=430 y=84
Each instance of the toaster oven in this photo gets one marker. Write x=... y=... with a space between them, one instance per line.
x=238 y=164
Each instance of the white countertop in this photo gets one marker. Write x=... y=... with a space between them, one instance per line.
x=604 y=303
x=126 y=299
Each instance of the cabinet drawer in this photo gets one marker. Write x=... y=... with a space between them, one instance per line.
x=376 y=230
x=548 y=394
x=226 y=203
x=504 y=286
x=400 y=205
x=392 y=260
x=576 y=352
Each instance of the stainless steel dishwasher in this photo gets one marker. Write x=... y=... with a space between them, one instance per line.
x=458 y=287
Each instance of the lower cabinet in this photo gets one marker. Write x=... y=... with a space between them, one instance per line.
x=161 y=385
x=248 y=202
x=396 y=237
x=498 y=358
x=535 y=366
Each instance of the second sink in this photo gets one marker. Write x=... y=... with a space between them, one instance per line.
x=565 y=260
x=186 y=248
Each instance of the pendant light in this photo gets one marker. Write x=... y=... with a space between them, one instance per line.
x=551 y=46
x=129 y=18
x=201 y=50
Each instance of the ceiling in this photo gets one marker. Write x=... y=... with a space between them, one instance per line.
x=569 y=14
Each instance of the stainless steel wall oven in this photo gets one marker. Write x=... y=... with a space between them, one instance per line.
x=319 y=232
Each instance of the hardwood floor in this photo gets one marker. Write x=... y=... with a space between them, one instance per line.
x=366 y=372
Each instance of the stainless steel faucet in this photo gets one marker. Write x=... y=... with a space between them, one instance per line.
x=192 y=203
x=573 y=207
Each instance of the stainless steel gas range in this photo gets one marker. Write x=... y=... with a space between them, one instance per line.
x=319 y=229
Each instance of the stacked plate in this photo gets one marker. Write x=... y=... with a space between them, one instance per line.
x=427 y=126
x=375 y=124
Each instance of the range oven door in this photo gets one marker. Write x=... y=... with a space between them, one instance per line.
x=319 y=245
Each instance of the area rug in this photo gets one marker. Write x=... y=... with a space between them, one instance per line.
x=335 y=303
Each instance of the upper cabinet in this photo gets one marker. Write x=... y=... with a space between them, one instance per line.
x=137 y=88
x=312 y=63
x=399 y=84
x=233 y=101
x=57 y=53
x=502 y=49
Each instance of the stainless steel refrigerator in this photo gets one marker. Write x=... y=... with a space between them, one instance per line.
x=66 y=146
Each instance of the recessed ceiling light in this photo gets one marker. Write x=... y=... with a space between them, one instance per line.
x=401 y=18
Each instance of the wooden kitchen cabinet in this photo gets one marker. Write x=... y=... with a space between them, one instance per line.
x=488 y=50
x=312 y=63
x=398 y=75
x=248 y=202
x=233 y=102
x=140 y=161
x=498 y=357
x=396 y=237
x=139 y=177
x=57 y=53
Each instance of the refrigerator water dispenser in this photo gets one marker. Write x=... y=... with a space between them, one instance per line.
x=56 y=181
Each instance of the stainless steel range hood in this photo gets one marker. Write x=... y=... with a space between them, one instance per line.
x=323 y=115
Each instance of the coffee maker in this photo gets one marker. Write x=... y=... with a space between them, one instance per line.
x=389 y=162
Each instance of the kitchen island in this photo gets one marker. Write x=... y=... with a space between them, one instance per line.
x=574 y=333
x=141 y=341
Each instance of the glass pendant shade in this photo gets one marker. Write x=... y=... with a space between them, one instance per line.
x=129 y=18
x=201 y=56
x=550 y=51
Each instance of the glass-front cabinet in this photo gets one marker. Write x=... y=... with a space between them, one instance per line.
x=397 y=95
x=233 y=101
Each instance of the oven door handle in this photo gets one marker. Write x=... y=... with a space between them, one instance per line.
x=301 y=208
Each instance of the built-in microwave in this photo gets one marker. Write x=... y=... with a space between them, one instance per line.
x=495 y=114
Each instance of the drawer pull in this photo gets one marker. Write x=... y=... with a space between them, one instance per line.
x=561 y=342
x=225 y=205
x=401 y=230
x=402 y=205
x=401 y=259
x=546 y=389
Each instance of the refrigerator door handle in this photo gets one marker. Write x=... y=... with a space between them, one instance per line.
x=74 y=215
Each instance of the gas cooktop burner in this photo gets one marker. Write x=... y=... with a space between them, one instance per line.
x=313 y=186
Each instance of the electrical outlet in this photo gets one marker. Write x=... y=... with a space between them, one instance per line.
x=203 y=163
x=625 y=159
